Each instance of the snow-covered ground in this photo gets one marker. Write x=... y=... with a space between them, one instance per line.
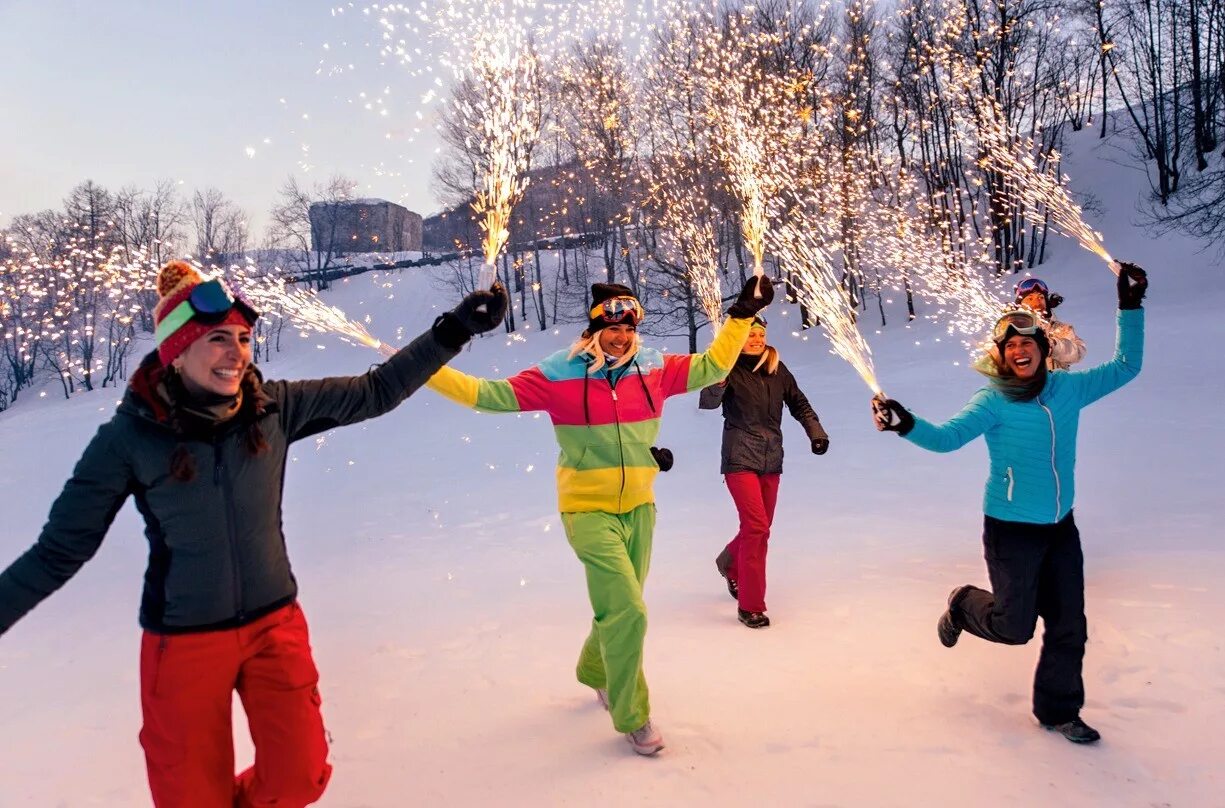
x=447 y=610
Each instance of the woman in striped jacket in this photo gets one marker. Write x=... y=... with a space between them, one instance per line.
x=1029 y=417
x=605 y=396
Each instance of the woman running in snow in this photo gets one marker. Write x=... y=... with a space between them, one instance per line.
x=200 y=441
x=605 y=396
x=1029 y=418
x=752 y=398
x=1066 y=348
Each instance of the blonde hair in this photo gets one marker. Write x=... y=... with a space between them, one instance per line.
x=769 y=358
x=589 y=343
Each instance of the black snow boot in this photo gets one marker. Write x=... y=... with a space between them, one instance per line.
x=948 y=629
x=722 y=562
x=753 y=619
x=1076 y=731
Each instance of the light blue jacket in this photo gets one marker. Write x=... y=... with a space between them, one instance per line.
x=1032 y=444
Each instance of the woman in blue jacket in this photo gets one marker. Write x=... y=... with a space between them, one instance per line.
x=1028 y=416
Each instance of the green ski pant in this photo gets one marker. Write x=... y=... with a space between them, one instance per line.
x=616 y=552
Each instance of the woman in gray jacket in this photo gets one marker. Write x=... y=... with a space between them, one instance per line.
x=752 y=398
x=200 y=442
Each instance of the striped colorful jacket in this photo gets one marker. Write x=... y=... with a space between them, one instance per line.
x=606 y=421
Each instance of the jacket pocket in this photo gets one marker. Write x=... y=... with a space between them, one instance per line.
x=1011 y=481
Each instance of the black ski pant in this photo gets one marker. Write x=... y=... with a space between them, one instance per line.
x=1036 y=571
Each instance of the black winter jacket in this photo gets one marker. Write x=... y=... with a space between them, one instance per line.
x=752 y=404
x=217 y=555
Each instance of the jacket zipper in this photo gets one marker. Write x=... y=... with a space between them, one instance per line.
x=620 y=446
x=765 y=395
x=1054 y=470
x=1011 y=480
x=227 y=494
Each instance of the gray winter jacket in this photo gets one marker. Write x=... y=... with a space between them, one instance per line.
x=752 y=403
x=217 y=555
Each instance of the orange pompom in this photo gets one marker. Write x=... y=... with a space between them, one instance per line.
x=175 y=275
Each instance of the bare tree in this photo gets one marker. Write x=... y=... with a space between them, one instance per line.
x=220 y=225
x=311 y=246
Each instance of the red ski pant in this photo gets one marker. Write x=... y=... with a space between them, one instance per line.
x=755 y=496
x=187 y=683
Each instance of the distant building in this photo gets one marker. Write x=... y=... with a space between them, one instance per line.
x=364 y=225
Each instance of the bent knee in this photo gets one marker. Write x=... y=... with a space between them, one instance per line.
x=1014 y=633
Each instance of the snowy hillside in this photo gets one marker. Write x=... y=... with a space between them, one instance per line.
x=447 y=609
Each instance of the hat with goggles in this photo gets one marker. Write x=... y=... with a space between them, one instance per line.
x=190 y=305
x=1020 y=323
x=1031 y=286
x=613 y=304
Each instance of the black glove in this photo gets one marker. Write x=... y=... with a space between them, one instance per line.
x=746 y=304
x=1133 y=283
x=477 y=313
x=891 y=416
x=820 y=446
x=663 y=457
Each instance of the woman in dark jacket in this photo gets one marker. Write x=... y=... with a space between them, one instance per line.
x=752 y=398
x=200 y=441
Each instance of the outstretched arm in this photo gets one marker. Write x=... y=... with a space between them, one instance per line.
x=74 y=531
x=317 y=405
x=975 y=418
x=523 y=392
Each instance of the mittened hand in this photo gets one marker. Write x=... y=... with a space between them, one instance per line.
x=663 y=457
x=477 y=313
x=1132 y=284
x=820 y=446
x=483 y=309
x=891 y=416
x=747 y=304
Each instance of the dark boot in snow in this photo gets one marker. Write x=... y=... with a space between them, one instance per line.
x=753 y=619
x=1076 y=731
x=722 y=563
x=948 y=629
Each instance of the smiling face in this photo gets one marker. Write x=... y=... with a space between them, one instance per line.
x=616 y=340
x=756 y=343
x=216 y=362
x=1035 y=301
x=1022 y=356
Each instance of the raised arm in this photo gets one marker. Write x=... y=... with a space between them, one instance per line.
x=79 y=519
x=1104 y=379
x=689 y=372
x=317 y=405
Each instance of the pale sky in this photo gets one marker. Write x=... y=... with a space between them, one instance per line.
x=127 y=92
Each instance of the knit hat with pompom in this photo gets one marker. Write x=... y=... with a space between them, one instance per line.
x=175 y=282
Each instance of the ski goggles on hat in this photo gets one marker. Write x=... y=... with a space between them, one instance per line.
x=1031 y=285
x=759 y=323
x=618 y=310
x=209 y=303
x=1015 y=323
